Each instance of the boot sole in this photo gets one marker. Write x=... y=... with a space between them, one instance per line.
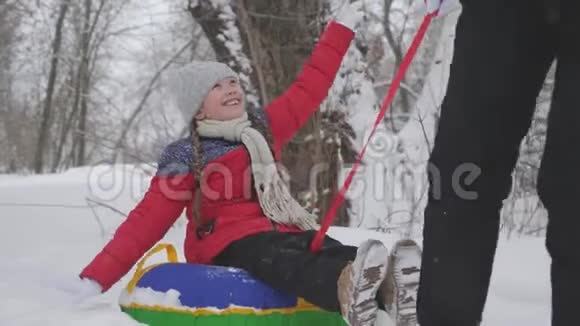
x=405 y=262
x=369 y=270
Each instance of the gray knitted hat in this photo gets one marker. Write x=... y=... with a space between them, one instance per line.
x=190 y=84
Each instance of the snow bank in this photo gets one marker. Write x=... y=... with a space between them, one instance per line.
x=150 y=297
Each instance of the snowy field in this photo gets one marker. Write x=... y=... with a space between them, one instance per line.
x=47 y=235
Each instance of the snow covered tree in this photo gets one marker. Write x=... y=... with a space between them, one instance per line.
x=394 y=171
x=523 y=212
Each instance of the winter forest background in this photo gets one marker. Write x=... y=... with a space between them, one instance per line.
x=81 y=85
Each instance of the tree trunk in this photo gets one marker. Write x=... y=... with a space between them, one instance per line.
x=84 y=84
x=75 y=93
x=43 y=133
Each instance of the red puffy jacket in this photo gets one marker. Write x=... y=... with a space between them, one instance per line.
x=235 y=214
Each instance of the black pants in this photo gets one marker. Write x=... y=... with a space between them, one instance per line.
x=284 y=262
x=503 y=50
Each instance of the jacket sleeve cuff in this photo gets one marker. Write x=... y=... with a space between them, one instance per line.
x=105 y=270
x=338 y=35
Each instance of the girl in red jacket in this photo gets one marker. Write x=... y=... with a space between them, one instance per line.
x=240 y=212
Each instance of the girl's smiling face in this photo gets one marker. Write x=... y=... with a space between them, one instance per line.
x=225 y=101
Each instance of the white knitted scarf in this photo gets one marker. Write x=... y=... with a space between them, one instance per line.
x=273 y=194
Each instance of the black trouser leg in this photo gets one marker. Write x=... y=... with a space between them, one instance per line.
x=502 y=53
x=559 y=179
x=284 y=262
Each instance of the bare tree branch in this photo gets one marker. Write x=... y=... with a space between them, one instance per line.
x=149 y=90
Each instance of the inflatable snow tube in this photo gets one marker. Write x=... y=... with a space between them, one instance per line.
x=180 y=294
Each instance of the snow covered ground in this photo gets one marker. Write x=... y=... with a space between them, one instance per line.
x=47 y=235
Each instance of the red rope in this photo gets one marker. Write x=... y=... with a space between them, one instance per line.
x=331 y=214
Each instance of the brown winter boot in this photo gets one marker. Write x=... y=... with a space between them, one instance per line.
x=359 y=283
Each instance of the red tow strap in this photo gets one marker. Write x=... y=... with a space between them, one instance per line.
x=331 y=214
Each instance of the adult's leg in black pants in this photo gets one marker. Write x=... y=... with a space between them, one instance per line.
x=284 y=261
x=559 y=179
x=503 y=49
